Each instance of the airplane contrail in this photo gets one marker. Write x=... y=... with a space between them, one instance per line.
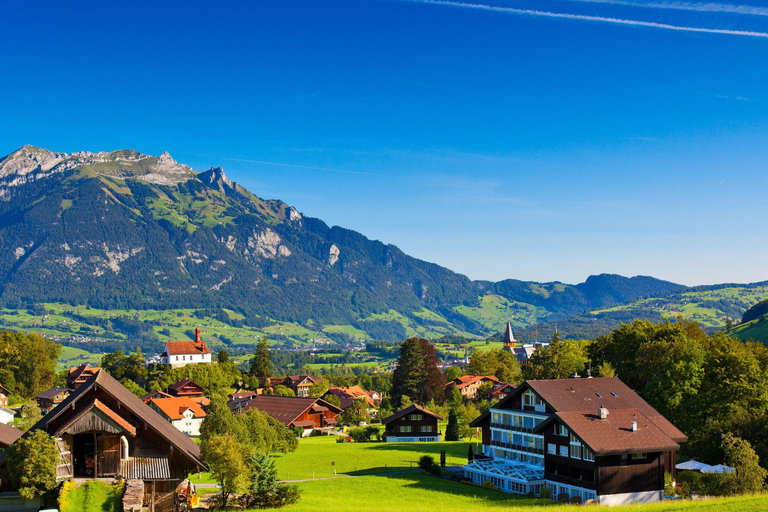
x=687 y=6
x=585 y=17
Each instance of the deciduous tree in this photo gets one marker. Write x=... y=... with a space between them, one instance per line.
x=32 y=463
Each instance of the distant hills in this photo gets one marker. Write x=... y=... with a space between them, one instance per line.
x=127 y=231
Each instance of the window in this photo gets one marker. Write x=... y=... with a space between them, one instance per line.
x=587 y=454
x=177 y=358
x=636 y=456
x=415 y=417
x=183 y=358
x=405 y=428
x=560 y=430
x=576 y=451
x=564 y=451
x=426 y=428
x=530 y=398
x=551 y=448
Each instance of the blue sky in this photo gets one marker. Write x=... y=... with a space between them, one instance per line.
x=538 y=140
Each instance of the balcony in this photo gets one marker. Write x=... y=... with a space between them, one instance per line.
x=510 y=446
x=504 y=426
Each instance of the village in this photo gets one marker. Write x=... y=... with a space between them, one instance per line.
x=576 y=440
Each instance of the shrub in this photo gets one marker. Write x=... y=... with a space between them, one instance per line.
x=488 y=485
x=363 y=434
x=545 y=492
x=428 y=465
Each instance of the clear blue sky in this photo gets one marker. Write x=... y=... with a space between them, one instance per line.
x=582 y=138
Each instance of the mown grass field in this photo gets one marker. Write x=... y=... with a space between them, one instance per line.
x=92 y=497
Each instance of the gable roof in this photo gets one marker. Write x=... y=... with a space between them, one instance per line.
x=174 y=348
x=100 y=406
x=284 y=409
x=8 y=435
x=348 y=395
x=587 y=396
x=154 y=394
x=408 y=410
x=295 y=380
x=133 y=404
x=174 y=407
x=4 y=391
x=77 y=371
x=466 y=380
x=614 y=434
x=50 y=394
x=184 y=382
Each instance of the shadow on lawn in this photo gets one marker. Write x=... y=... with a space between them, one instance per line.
x=437 y=484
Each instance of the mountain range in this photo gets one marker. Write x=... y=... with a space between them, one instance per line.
x=124 y=230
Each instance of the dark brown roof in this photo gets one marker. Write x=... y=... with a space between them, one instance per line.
x=50 y=394
x=587 y=396
x=154 y=394
x=134 y=405
x=614 y=434
x=408 y=410
x=183 y=382
x=284 y=409
x=8 y=435
x=4 y=391
x=295 y=380
x=97 y=404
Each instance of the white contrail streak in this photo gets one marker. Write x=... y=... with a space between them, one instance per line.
x=266 y=162
x=584 y=17
x=687 y=6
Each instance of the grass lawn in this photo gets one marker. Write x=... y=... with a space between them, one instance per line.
x=92 y=496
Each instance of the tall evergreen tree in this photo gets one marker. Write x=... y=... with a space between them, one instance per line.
x=418 y=374
x=452 y=430
x=262 y=361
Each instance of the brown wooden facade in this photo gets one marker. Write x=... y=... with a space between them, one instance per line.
x=412 y=422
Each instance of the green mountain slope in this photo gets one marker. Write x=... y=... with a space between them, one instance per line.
x=132 y=232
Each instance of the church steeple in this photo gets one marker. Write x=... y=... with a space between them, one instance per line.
x=509 y=338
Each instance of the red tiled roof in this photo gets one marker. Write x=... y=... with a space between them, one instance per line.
x=283 y=408
x=76 y=372
x=347 y=395
x=174 y=407
x=8 y=435
x=466 y=380
x=408 y=410
x=173 y=348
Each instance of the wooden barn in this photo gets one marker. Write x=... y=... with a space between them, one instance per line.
x=103 y=430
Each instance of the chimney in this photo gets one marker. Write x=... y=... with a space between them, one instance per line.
x=634 y=426
x=603 y=413
x=198 y=338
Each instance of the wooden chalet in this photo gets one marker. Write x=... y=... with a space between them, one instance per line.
x=300 y=384
x=307 y=413
x=187 y=388
x=50 y=398
x=500 y=390
x=586 y=439
x=103 y=430
x=8 y=435
x=77 y=376
x=412 y=424
x=468 y=385
x=154 y=394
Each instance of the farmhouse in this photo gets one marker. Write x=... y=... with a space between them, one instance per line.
x=583 y=438
x=50 y=398
x=103 y=430
x=300 y=384
x=468 y=385
x=184 y=413
x=186 y=387
x=348 y=395
x=182 y=353
x=412 y=424
x=307 y=413
x=8 y=435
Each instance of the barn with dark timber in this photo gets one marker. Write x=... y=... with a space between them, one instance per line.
x=102 y=430
x=586 y=439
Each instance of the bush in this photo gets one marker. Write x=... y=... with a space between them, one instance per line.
x=428 y=465
x=363 y=434
x=545 y=492
x=488 y=485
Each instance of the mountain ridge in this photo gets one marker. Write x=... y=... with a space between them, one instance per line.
x=122 y=230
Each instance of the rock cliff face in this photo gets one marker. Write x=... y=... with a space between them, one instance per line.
x=124 y=229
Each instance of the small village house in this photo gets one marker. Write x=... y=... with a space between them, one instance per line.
x=348 y=395
x=182 y=353
x=8 y=435
x=412 y=424
x=4 y=394
x=79 y=375
x=184 y=413
x=185 y=388
x=469 y=385
x=300 y=384
x=307 y=413
x=499 y=391
x=586 y=439
x=50 y=398
x=6 y=414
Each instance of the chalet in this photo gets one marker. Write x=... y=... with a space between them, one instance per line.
x=500 y=390
x=239 y=395
x=586 y=439
x=186 y=387
x=348 y=395
x=182 y=353
x=50 y=398
x=300 y=384
x=468 y=385
x=103 y=430
x=412 y=424
x=79 y=375
x=376 y=397
x=307 y=413
x=184 y=413
x=8 y=435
